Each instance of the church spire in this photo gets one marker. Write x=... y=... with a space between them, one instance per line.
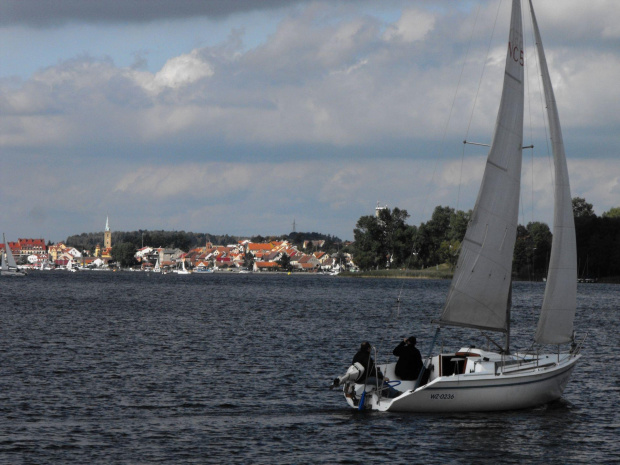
x=107 y=235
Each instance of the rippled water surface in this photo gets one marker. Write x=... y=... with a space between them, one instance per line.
x=226 y=368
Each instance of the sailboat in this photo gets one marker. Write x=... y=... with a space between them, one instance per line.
x=182 y=270
x=9 y=265
x=70 y=266
x=472 y=379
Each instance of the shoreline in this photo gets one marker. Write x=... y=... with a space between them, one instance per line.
x=440 y=274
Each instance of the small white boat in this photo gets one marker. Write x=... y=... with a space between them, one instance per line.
x=70 y=266
x=182 y=270
x=480 y=294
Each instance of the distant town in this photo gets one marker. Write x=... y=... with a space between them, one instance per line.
x=242 y=256
x=383 y=241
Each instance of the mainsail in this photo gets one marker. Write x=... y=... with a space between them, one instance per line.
x=10 y=259
x=555 y=325
x=480 y=287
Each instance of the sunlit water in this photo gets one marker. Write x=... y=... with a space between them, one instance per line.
x=227 y=368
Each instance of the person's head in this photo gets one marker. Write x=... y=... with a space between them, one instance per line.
x=412 y=340
x=365 y=346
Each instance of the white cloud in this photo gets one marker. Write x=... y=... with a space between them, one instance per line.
x=333 y=112
x=185 y=180
x=183 y=70
x=594 y=19
x=334 y=84
x=412 y=26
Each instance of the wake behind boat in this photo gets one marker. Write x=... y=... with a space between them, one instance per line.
x=479 y=298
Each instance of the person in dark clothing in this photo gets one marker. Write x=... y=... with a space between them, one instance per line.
x=372 y=375
x=370 y=370
x=409 y=360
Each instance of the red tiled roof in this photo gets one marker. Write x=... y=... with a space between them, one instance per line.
x=253 y=246
x=266 y=265
x=31 y=242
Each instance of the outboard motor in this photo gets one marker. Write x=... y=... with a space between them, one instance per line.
x=353 y=374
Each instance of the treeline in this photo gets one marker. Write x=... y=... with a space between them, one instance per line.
x=386 y=241
x=142 y=238
x=189 y=240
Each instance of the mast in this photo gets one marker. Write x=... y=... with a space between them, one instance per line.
x=4 y=260
x=481 y=284
x=555 y=325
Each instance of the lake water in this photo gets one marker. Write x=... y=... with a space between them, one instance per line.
x=101 y=367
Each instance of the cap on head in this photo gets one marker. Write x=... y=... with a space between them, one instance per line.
x=412 y=340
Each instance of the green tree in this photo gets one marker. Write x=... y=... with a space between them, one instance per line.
x=395 y=235
x=248 y=260
x=369 y=246
x=445 y=225
x=384 y=240
x=541 y=240
x=522 y=255
x=581 y=208
x=458 y=225
x=285 y=262
x=123 y=254
x=449 y=252
x=612 y=213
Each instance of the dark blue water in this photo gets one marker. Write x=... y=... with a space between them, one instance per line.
x=227 y=368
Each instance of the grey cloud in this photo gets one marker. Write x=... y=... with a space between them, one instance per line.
x=45 y=13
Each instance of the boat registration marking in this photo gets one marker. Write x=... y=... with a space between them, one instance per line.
x=442 y=396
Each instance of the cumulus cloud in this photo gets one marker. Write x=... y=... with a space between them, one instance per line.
x=183 y=70
x=324 y=117
x=336 y=84
x=412 y=26
x=598 y=19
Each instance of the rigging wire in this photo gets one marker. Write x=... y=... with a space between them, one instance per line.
x=538 y=79
x=441 y=149
x=529 y=107
x=456 y=91
x=445 y=131
x=442 y=144
x=473 y=109
x=484 y=67
x=543 y=112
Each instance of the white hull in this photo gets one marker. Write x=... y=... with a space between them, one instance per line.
x=520 y=386
x=12 y=273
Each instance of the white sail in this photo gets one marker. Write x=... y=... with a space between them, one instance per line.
x=480 y=287
x=10 y=259
x=555 y=325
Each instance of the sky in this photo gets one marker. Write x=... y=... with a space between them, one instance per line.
x=245 y=117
